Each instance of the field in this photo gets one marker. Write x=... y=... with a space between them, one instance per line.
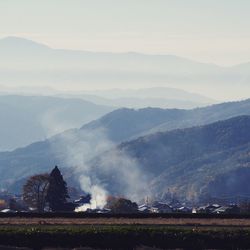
x=160 y=221
x=125 y=232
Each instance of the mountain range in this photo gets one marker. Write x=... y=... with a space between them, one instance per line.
x=130 y=98
x=144 y=97
x=125 y=124
x=43 y=112
x=23 y=61
x=195 y=150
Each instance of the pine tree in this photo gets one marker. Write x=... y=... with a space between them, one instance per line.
x=57 y=193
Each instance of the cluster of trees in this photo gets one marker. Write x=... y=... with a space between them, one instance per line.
x=47 y=189
x=121 y=205
x=50 y=191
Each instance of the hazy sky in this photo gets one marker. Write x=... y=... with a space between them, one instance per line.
x=206 y=30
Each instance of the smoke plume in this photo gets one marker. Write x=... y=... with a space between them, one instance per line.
x=101 y=168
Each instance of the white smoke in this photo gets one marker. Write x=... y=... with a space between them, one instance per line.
x=98 y=194
x=79 y=149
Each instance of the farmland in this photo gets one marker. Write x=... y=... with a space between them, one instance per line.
x=125 y=232
x=157 y=221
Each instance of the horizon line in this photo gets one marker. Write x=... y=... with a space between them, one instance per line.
x=34 y=41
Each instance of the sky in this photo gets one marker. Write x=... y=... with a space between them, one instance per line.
x=215 y=31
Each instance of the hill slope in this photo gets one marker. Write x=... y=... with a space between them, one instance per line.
x=187 y=162
x=81 y=148
x=26 y=119
x=126 y=124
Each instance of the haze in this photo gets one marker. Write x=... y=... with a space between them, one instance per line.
x=209 y=31
x=214 y=32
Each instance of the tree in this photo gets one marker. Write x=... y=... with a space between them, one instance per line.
x=35 y=191
x=121 y=205
x=57 y=192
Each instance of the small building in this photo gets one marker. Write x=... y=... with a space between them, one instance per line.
x=144 y=208
x=85 y=199
x=208 y=209
x=7 y=210
x=160 y=207
x=232 y=209
x=184 y=210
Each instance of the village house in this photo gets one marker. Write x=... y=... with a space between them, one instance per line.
x=160 y=207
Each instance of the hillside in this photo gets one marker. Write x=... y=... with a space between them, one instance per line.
x=192 y=162
x=126 y=124
x=26 y=119
x=212 y=146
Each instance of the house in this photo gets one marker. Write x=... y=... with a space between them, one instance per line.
x=85 y=199
x=184 y=210
x=144 y=208
x=160 y=207
x=7 y=210
x=208 y=209
x=231 y=209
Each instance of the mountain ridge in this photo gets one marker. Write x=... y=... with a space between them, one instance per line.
x=95 y=139
x=40 y=117
x=59 y=68
x=167 y=119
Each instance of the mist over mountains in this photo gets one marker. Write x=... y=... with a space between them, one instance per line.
x=23 y=62
x=171 y=140
x=26 y=119
x=43 y=112
x=184 y=161
x=125 y=124
x=130 y=98
x=145 y=97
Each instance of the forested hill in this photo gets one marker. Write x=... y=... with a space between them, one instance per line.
x=170 y=160
x=125 y=124
x=188 y=160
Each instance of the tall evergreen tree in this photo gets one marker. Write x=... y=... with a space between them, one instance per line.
x=57 y=193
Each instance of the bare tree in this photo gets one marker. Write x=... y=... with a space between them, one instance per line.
x=35 y=191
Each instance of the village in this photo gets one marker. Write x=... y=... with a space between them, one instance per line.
x=10 y=203
x=48 y=193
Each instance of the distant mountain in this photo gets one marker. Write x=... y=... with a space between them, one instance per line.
x=144 y=97
x=139 y=103
x=126 y=124
x=190 y=164
x=82 y=147
x=17 y=44
x=156 y=92
x=24 y=62
x=139 y=98
x=201 y=116
x=26 y=119
x=211 y=160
